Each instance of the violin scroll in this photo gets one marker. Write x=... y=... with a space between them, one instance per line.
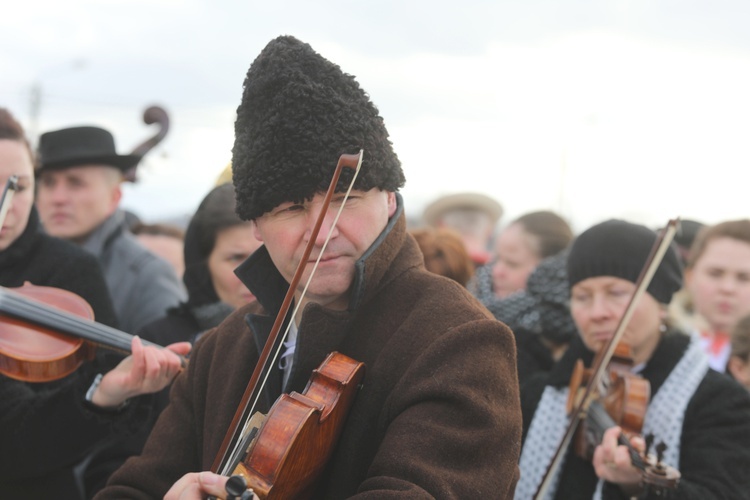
x=152 y=114
x=658 y=476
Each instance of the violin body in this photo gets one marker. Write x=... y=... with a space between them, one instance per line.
x=623 y=401
x=297 y=438
x=46 y=333
x=33 y=354
x=625 y=398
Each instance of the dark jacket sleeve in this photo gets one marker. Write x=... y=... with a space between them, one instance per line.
x=175 y=444
x=452 y=426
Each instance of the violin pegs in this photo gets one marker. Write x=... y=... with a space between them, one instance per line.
x=649 y=438
x=236 y=487
x=660 y=449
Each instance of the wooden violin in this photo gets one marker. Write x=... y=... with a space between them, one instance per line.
x=282 y=454
x=608 y=389
x=622 y=401
x=46 y=333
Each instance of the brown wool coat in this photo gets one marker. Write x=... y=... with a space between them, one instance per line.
x=438 y=415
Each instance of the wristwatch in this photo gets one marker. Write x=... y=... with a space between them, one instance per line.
x=89 y=398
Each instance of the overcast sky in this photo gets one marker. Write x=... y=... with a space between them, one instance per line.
x=595 y=109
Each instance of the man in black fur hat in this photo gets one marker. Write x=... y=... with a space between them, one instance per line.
x=438 y=414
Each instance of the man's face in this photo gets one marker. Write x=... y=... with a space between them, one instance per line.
x=286 y=230
x=74 y=201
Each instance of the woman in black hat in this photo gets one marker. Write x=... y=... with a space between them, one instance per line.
x=702 y=416
x=47 y=428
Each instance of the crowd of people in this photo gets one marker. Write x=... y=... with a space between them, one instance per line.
x=473 y=333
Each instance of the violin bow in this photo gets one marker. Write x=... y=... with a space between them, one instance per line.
x=230 y=453
x=10 y=188
x=658 y=250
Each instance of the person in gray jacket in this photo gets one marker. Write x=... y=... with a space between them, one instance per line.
x=78 y=197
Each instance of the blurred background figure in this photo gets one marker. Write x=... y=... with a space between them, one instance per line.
x=164 y=240
x=444 y=253
x=685 y=236
x=225 y=176
x=539 y=316
x=717 y=279
x=518 y=250
x=681 y=308
x=78 y=198
x=216 y=242
x=739 y=359
x=474 y=216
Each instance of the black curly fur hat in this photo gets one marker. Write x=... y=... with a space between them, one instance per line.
x=299 y=113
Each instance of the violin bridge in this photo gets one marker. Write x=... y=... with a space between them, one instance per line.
x=251 y=430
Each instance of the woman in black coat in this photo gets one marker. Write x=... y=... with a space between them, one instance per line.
x=702 y=416
x=48 y=427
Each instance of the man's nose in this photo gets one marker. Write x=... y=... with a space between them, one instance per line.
x=326 y=227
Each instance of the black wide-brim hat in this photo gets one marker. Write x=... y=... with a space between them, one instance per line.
x=80 y=146
x=299 y=113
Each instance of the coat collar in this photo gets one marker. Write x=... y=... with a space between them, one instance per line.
x=322 y=330
x=108 y=230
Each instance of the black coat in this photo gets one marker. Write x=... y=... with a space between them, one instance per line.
x=46 y=428
x=715 y=439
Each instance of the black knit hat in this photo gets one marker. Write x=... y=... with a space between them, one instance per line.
x=299 y=113
x=618 y=248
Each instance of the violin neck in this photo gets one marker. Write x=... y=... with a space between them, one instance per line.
x=598 y=421
x=36 y=313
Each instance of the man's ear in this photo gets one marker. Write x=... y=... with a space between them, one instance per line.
x=256 y=231
x=392 y=205
x=116 y=197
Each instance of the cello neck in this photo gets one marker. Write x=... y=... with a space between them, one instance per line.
x=16 y=306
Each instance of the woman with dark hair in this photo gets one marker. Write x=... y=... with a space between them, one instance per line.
x=702 y=416
x=48 y=427
x=216 y=242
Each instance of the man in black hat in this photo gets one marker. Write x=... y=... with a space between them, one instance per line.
x=78 y=199
x=438 y=414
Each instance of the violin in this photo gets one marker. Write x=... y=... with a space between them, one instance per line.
x=282 y=454
x=608 y=395
x=621 y=401
x=46 y=333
